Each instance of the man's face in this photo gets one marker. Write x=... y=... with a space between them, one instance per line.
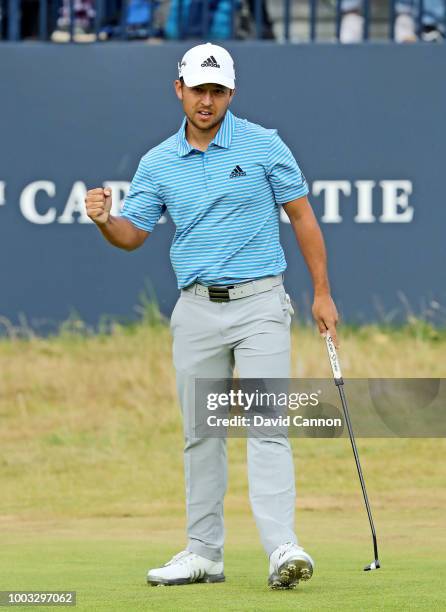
x=204 y=105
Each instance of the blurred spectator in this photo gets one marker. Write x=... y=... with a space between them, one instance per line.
x=266 y=24
x=143 y=19
x=84 y=14
x=220 y=24
x=432 y=30
x=193 y=22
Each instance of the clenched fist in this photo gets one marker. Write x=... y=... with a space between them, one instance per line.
x=98 y=203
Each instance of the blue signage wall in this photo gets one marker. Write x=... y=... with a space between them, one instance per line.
x=366 y=124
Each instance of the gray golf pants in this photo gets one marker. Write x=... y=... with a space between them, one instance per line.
x=209 y=338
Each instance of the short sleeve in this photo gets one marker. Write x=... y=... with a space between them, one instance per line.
x=285 y=176
x=143 y=205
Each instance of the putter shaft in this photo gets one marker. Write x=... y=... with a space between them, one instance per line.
x=339 y=382
x=361 y=477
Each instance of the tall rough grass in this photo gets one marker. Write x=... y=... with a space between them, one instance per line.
x=90 y=423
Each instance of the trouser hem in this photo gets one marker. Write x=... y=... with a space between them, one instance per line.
x=204 y=551
x=269 y=549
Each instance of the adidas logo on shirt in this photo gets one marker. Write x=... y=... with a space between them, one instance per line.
x=237 y=172
x=211 y=62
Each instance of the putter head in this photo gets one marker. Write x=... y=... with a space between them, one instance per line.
x=373 y=565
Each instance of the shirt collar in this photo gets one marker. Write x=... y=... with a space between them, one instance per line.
x=222 y=138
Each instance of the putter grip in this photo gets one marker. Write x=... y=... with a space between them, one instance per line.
x=333 y=357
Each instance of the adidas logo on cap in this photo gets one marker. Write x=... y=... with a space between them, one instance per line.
x=210 y=62
x=237 y=172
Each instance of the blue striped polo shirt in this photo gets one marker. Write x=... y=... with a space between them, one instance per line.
x=224 y=202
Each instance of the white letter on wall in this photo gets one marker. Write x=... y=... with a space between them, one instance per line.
x=75 y=204
x=119 y=190
x=2 y=193
x=392 y=201
x=28 y=202
x=365 y=202
x=283 y=216
x=331 y=201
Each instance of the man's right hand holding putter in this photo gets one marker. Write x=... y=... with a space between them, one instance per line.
x=117 y=230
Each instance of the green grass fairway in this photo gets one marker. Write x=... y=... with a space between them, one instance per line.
x=105 y=561
x=92 y=490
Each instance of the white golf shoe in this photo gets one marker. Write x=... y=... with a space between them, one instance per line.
x=185 y=568
x=288 y=564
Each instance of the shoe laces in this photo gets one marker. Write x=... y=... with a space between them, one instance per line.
x=180 y=557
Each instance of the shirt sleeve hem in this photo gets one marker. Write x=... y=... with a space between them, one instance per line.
x=293 y=195
x=147 y=227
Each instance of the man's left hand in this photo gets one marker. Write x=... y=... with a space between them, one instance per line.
x=326 y=316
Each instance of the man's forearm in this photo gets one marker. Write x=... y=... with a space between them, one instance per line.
x=122 y=233
x=312 y=246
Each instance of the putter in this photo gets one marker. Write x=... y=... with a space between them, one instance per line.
x=337 y=375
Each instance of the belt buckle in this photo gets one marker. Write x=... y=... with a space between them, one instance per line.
x=219 y=293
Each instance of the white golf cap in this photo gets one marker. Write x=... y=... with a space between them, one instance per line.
x=207 y=64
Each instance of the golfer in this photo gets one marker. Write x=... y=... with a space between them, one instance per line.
x=223 y=181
